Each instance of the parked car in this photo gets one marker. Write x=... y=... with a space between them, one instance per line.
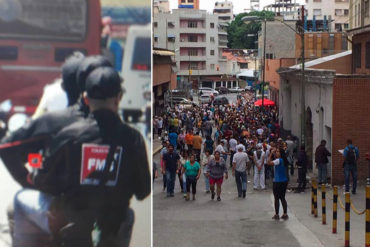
x=236 y=90
x=221 y=100
x=205 y=99
x=208 y=91
x=222 y=90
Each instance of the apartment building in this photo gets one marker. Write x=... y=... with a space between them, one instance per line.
x=334 y=11
x=360 y=34
x=160 y=6
x=194 y=37
x=224 y=11
x=286 y=8
x=188 y=4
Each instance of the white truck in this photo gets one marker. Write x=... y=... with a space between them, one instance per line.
x=136 y=73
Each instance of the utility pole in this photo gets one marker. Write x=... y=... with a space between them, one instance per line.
x=264 y=63
x=303 y=100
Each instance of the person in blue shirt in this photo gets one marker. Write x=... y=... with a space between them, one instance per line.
x=351 y=156
x=280 y=182
x=173 y=138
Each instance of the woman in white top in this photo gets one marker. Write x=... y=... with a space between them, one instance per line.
x=259 y=168
x=183 y=159
x=205 y=159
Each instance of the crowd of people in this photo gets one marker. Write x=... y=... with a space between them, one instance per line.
x=213 y=140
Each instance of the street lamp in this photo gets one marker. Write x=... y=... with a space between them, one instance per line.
x=247 y=19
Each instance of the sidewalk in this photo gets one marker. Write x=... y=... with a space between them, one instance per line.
x=300 y=206
x=157 y=145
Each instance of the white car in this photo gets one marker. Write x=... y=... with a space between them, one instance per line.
x=208 y=91
x=236 y=90
x=136 y=72
x=205 y=99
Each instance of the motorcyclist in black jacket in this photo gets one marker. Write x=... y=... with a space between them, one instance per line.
x=95 y=166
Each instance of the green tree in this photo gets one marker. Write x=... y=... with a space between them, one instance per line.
x=240 y=34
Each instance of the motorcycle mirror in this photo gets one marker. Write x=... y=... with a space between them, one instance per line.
x=6 y=105
x=16 y=121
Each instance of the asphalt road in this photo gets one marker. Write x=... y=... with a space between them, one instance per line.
x=231 y=222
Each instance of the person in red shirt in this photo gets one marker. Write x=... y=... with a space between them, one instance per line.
x=189 y=141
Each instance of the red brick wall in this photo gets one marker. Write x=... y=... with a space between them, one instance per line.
x=341 y=65
x=351 y=119
x=274 y=64
x=363 y=39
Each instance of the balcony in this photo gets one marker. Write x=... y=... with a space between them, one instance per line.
x=222 y=31
x=193 y=44
x=197 y=30
x=222 y=58
x=200 y=57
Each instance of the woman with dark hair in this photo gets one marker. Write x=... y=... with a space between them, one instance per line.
x=280 y=182
x=209 y=144
x=216 y=169
x=192 y=171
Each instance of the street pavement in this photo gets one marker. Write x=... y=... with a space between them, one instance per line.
x=247 y=222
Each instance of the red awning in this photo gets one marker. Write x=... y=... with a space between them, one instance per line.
x=266 y=102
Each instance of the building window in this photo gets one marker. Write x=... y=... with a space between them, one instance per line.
x=212 y=25
x=171 y=39
x=192 y=24
x=233 y=66
x=341 y=1
x=190 y=1
x=170 y=25
x=338 y=27
x=317 y=1
x=212 y=39
x=367 y=8
x=182 y=1
x=346 y=12
x=338 y=12
x=155 y=39
x=212 y=52
x=269 y=55
x=193 y=65
x=212 y=67
x=317 y=12
x=155 y=24
x=193 y=38
x=357 y=55
x=368 y=55
x=346 y=26
x=193 y=52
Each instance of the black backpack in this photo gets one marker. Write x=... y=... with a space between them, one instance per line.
x=351 y=156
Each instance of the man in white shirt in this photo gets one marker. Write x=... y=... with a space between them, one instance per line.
x=232 y=145
x=240 y=161
x=259 y=168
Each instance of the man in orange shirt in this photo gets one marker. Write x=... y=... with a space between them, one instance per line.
x=189 y=141
x=197 y=145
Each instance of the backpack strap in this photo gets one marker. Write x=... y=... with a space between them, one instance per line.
x=108 y=164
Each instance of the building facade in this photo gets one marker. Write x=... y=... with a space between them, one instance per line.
x=161 y=6
x=194 y=36
x=286 y=8
x=336 y=11
x=164 y=77
x=188 y=4
x=224 y=11
x=360 y=34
